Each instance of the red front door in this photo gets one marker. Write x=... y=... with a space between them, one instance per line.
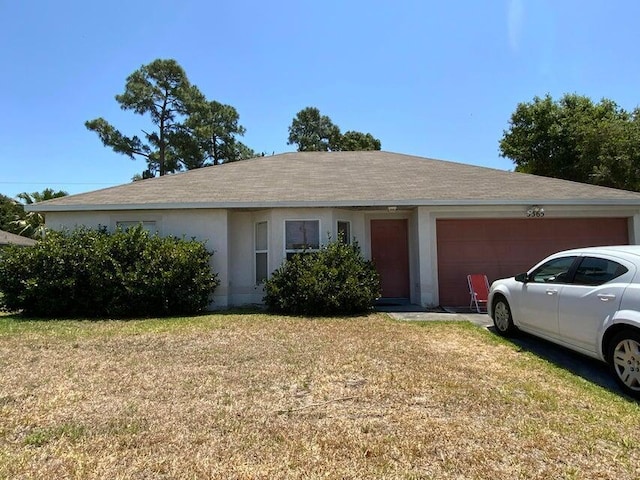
x=390 y=253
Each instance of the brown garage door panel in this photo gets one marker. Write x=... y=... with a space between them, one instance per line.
x=502 y=248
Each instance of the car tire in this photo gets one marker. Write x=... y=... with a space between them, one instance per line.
x=623 y=356
x=502 y=318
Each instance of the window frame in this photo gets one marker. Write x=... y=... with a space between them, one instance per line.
x=257 y=251
x=293 y=251
x=346 y=239
x=578 y=276
x=567 y=274
x=126 y=224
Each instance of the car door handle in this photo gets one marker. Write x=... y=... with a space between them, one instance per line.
x=552 y=291
x=605 y=297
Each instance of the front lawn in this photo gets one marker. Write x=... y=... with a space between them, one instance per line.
x=260 y=396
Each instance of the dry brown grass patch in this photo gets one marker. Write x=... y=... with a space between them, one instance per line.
x=256 y=396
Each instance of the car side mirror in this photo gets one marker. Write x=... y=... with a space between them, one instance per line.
x=522 y=277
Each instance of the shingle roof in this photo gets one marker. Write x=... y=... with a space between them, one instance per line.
x=339 y=179
x=7 y=238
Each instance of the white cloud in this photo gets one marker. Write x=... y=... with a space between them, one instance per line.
x=515 y=21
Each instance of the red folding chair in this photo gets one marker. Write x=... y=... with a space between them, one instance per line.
x=479 y=291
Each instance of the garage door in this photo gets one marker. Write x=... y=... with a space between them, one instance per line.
x=503 y=248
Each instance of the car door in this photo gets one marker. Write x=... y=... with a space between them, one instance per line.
x=538 y=299
x=592 y=298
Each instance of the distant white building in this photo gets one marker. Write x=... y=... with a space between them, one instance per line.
x=7 y=238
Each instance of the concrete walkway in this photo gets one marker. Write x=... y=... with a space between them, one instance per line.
x=417 y=313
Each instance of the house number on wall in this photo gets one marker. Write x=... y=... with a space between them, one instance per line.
x=535 y=212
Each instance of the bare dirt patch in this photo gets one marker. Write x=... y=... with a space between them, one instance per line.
x=255 y=396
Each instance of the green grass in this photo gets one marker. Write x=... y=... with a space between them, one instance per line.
x=41 y=436
x=14 y=324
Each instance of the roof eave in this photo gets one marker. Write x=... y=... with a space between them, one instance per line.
x=323 y=204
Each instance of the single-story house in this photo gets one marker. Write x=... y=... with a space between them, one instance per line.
x=426 y=223
x=7 y=238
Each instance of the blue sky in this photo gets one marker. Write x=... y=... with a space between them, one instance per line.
x=435 y=79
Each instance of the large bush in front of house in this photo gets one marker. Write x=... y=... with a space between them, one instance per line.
x=332 y=281
x=93 y=273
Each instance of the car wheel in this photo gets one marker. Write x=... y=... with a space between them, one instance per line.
x=624 y=361
x=502 y=319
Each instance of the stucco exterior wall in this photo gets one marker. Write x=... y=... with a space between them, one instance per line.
x=242 y=286
x=231 y=235
x=71 y=220
x=243 y=289
x=207 y=225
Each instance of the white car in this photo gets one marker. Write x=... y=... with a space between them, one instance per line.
x=586 y=299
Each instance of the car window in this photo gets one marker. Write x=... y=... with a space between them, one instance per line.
x=596 y=271
x=553 y=271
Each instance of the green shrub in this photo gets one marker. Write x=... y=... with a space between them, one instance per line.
x=92 y=273
x=335 y=280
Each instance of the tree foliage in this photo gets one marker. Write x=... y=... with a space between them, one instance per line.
x=575 y=139
x=32 y=224
x=313 y=132
x=188 y=130
x=92 y=273
x=35 y=197
x=162 y=91
x=10 y=211
x=358 y=141
x=215 y=126
x=335 y=280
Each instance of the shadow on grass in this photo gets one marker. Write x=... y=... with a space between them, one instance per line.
x=18 y=317
x=588 y=368
x=268 y=312
x=233 y=311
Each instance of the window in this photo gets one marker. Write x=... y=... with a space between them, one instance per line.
x=596 y=271
x=301 y=235
x=149 y=226
x=262 y=248
x=344 y=232
x=553 y=271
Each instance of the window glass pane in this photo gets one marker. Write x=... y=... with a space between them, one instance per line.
x=596 y=271
x=344 y=232
x=302 y=234
x=261 y=267
x=553 y=271
x=261 y=236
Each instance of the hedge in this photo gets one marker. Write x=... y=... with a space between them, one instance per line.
x=93 y=273
x=335 y=280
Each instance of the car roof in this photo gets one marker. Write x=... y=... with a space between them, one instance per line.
x=633 y=250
